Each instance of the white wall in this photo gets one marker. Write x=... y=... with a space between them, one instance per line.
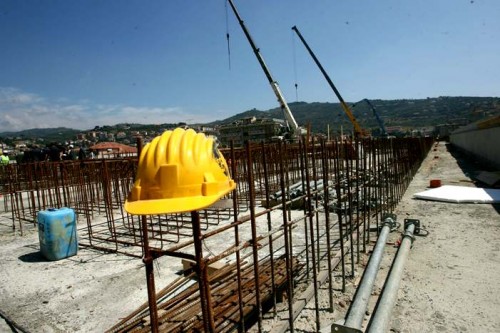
x=484 y=143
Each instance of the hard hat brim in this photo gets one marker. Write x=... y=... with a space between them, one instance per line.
x=171 y=205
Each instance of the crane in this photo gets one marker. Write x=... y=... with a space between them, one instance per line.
x=357 y=128
x=383 y=132
x=293 y=128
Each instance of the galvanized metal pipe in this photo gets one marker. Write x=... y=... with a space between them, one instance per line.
x=360 y=302
x=381 y=318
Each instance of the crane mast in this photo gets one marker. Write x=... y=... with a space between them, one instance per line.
x=357 y=129
x=292 y=124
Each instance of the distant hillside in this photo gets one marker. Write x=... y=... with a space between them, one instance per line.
x=48 y=134
x=408 y=113
x=251 y=113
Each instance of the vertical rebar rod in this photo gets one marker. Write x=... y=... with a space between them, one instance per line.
x=339 y=208
x=302 y=156
x=326 y=202
x=202 y=272
x=251 y=193
x=316 y=200
x=287 y=156
x=269 y=225
x=287 y=241
x=378 y=187
x=241 y=323
x=386 y=171
x=357 y=152
x=311 y=235
x=365 y=185
x=349 y=223
x=150 y=279
x=370 y=186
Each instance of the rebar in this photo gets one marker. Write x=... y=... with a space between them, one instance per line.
x=300 y=212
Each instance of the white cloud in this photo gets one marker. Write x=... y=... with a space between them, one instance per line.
x=20 y=110
x=14 y=96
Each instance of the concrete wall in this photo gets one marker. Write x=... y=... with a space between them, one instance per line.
x=481 y=139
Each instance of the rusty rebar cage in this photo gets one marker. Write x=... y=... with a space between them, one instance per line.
x=298 y=220
x=300 y=212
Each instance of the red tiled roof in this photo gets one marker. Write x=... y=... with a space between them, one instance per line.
x=115 y=147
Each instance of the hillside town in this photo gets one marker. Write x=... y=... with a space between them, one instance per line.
x=110 y=142
x=436 y=117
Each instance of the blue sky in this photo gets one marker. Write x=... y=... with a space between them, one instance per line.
x=80 y=64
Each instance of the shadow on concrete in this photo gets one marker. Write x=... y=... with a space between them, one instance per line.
x=472 y=166
x=33 y=257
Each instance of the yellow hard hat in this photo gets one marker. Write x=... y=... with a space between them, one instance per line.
x=179 y=171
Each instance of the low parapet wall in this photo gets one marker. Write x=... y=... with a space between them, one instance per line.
x=481 y=139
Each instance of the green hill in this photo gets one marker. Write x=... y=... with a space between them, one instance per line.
x=408 y=113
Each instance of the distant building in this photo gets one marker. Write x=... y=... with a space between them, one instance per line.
x=395 y=130
x=121 y=135
x=208 y=131
x=422 y=132
x=20 y=144
x=250 y=129
x=112 y=150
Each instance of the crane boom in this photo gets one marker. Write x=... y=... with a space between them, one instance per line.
x=292 y=124
x=375 y=113
x=357 y=129
x=377 y=116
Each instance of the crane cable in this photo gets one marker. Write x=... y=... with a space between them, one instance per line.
x=227 y=36
x=295 y=68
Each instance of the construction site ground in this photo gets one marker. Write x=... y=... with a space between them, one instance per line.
x=450 y=282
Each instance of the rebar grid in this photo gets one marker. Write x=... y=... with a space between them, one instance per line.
x=298 y=211
x=307 y=206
